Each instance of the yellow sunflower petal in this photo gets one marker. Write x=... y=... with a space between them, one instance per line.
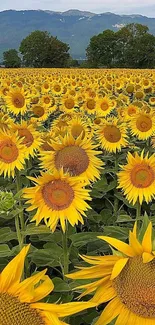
x=118 y=267
x=147 y=239
x=122 y=247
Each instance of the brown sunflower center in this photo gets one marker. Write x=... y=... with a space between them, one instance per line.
x=135 y=286
x=112 y=133
x=8 y=151
x=91 y=104
x=142 y=176
x=27 y=135
x=77 y=130
x=144 y=123
x=69 y=103
x=18 y=101
x=13 y=312
x=73 y=159
x=57 y=88
x=104 y=106
x=46 y=100
x=38 y=111
x=58 y=195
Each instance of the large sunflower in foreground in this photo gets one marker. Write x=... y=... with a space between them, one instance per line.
x=126 y=279
x=57 y=197
x=112 y=134
x=12 y=153
x=142 y=125
x=75 y=156
x=17 y=101
x=137 y=178
x=19 y=300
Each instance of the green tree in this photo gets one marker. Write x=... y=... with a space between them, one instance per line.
x=100 y=51
x=130 y=47
x=11 y=59
x=40 y=49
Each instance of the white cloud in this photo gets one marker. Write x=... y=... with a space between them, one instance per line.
x=123 y=6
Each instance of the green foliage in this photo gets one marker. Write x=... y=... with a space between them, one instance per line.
x=130 y=47
x=11 y=59
x=40 y=49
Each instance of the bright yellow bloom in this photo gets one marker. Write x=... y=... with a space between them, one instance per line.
x=126 y=280
x=112 y=134
x=76 y=156
x=142 y=125
x=12 y=153
x=19 y=300
x=17 y=101
x=137 y=178
x=58 y=197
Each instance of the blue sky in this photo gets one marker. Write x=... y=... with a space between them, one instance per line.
x=122 y=6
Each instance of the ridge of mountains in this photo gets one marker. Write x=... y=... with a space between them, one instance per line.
x=73 y=27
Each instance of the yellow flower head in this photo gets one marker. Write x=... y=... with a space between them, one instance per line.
x=137 y=178
x=78 y=157
x=19 y=300
x=126 y=280
x=12 y=153
x=58 y=197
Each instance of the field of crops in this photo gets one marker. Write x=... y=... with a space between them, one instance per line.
x=77 y=189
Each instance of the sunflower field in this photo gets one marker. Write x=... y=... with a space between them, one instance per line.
x=77 y=197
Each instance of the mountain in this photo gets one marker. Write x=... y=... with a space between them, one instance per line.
x=74 y=27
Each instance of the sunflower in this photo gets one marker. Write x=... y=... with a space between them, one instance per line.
x=142 y=124
x=12 y=153
x=57 y=197
x=40 y=112
x=112 y=134
x=5 y=122
x=126 y=279
x=78 y=126
x=17 y=101
x=76 y=156
x=19 y=300
x=30 y=137
x=137 y=178
x=104 y=106
x=68 y=104
x=89 y=105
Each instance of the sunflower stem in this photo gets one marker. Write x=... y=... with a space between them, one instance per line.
x=21 y=215
x=19 y=237
x=116 y=201
x=65 y=253
x=138 y=210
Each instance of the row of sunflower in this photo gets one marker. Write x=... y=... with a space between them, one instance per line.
x=77 y=170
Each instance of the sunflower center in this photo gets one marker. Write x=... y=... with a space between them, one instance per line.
x=27 y=137
x=57 y=88
x=142 y=176
x=77 y=130
x=69 y=103
x=104 y=106
x=13 y=312
x=19 y=101
x=8 y=151
x=91 y=104
x=38 y=111
x=46 y=100
x=144 y=123
x=58 y=195
x=135 y=286
x=112 y=133
x=73 y=159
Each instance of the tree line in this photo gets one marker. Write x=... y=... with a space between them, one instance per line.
x=130 y=47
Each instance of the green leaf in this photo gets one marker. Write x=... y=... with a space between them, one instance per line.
x=82 y=239
x=60 y=285
x=116 y=232
x=32 y=229
x=6 y=234
x=4 y=250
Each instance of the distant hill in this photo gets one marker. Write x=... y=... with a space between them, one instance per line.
x=73 y=26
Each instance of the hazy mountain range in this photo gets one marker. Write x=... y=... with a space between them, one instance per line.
x=73 y=27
